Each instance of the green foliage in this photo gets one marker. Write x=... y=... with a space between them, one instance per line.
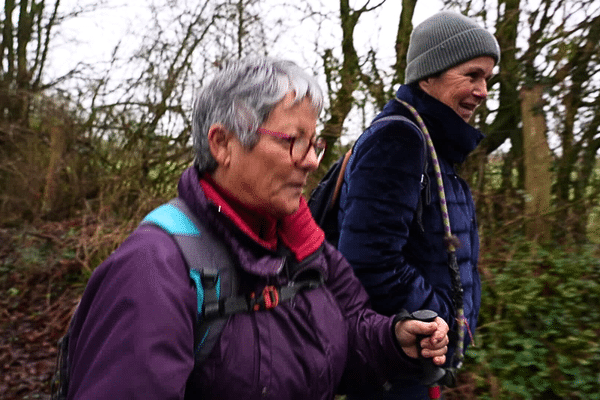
x=539 y=324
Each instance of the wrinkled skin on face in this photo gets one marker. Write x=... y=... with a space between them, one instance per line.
x=265 y=178
x=463 y=87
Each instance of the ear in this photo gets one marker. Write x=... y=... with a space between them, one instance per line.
x=425 y=84
x=219 y=139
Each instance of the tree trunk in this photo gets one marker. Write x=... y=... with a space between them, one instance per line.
x=58 y=145
x=537 y=163
x=342 y=101
x=405 y=28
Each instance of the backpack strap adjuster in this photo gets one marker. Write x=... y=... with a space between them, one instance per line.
x=268 y=300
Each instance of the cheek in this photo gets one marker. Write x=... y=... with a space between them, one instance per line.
x=448 y=95
x=275 y=171
x=278 y=183
x=453 y=98
x=449 y=98
x=271 y=181
x=462 y=91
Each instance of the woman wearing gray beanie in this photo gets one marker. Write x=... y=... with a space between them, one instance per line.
x=407 y=220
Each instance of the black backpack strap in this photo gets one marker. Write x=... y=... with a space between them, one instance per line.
x=211 y=269
x=425 y=197
x=214 y=274
x=424 y=176
x=324 y=196
x=324 y=200
x=60 y=380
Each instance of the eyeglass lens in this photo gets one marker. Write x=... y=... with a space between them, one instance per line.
x=302 y=145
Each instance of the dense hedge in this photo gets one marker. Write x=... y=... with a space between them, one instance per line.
x=539 y=329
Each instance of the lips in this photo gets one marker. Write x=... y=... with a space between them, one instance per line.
x=297 y=185
x=301 y=182
x=467 y=109
x=469 y=106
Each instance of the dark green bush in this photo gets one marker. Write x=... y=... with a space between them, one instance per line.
x=539 y=324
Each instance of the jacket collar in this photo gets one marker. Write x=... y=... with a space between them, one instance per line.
x=298 y=232
x=454 y=139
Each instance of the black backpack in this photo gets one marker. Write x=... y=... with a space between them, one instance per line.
x=324 y=200
x=213 y=273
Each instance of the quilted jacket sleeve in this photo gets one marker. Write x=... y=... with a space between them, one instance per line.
x=133 y=330
x=383 y=189
x=374 y=354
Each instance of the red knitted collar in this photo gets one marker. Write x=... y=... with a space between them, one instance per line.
x=298 y=231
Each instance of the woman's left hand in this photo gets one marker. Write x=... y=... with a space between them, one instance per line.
x=434 y=345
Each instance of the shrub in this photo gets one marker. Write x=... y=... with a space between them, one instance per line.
x=539 y=324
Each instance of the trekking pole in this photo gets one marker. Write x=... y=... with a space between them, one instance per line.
x=451 y=242
x=432 y=374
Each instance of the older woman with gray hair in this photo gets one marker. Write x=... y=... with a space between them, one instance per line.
x=133 y=335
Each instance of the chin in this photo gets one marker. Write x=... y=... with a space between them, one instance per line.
x=286 y=209
x=291 y=210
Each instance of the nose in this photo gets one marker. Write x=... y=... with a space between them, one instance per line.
x=310 y=162
x=480 y=90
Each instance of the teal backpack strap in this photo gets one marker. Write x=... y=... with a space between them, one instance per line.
x=213 y=272
x=211 y=269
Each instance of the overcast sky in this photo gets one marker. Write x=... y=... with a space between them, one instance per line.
x=93 y=36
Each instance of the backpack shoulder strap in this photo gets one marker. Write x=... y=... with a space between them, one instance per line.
x=340 y=179
x=192 y=238
x=425 y=197
x=411 y=122
x=389 y=118
x=348 y=155
x=211 y=269
x=207 y=260
x=324 y=200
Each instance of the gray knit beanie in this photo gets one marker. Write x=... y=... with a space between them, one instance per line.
x=445 y=40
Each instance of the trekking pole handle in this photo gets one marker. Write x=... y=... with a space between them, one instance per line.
x=432 y=374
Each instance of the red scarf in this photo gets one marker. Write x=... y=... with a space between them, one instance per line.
x=298 y=231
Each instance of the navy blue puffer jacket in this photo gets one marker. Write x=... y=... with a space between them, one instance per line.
x=400 y=264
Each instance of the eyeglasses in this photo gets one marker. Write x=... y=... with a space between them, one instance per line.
x=299 y=145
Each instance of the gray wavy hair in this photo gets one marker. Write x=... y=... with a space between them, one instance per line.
x=241 y=96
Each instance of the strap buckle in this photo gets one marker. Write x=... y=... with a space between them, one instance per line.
x=268 y=300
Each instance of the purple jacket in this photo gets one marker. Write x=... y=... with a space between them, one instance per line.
x=133 y=333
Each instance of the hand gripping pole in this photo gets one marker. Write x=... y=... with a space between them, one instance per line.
x=432 y=374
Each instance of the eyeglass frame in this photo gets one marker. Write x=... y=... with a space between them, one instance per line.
x=292 y=140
